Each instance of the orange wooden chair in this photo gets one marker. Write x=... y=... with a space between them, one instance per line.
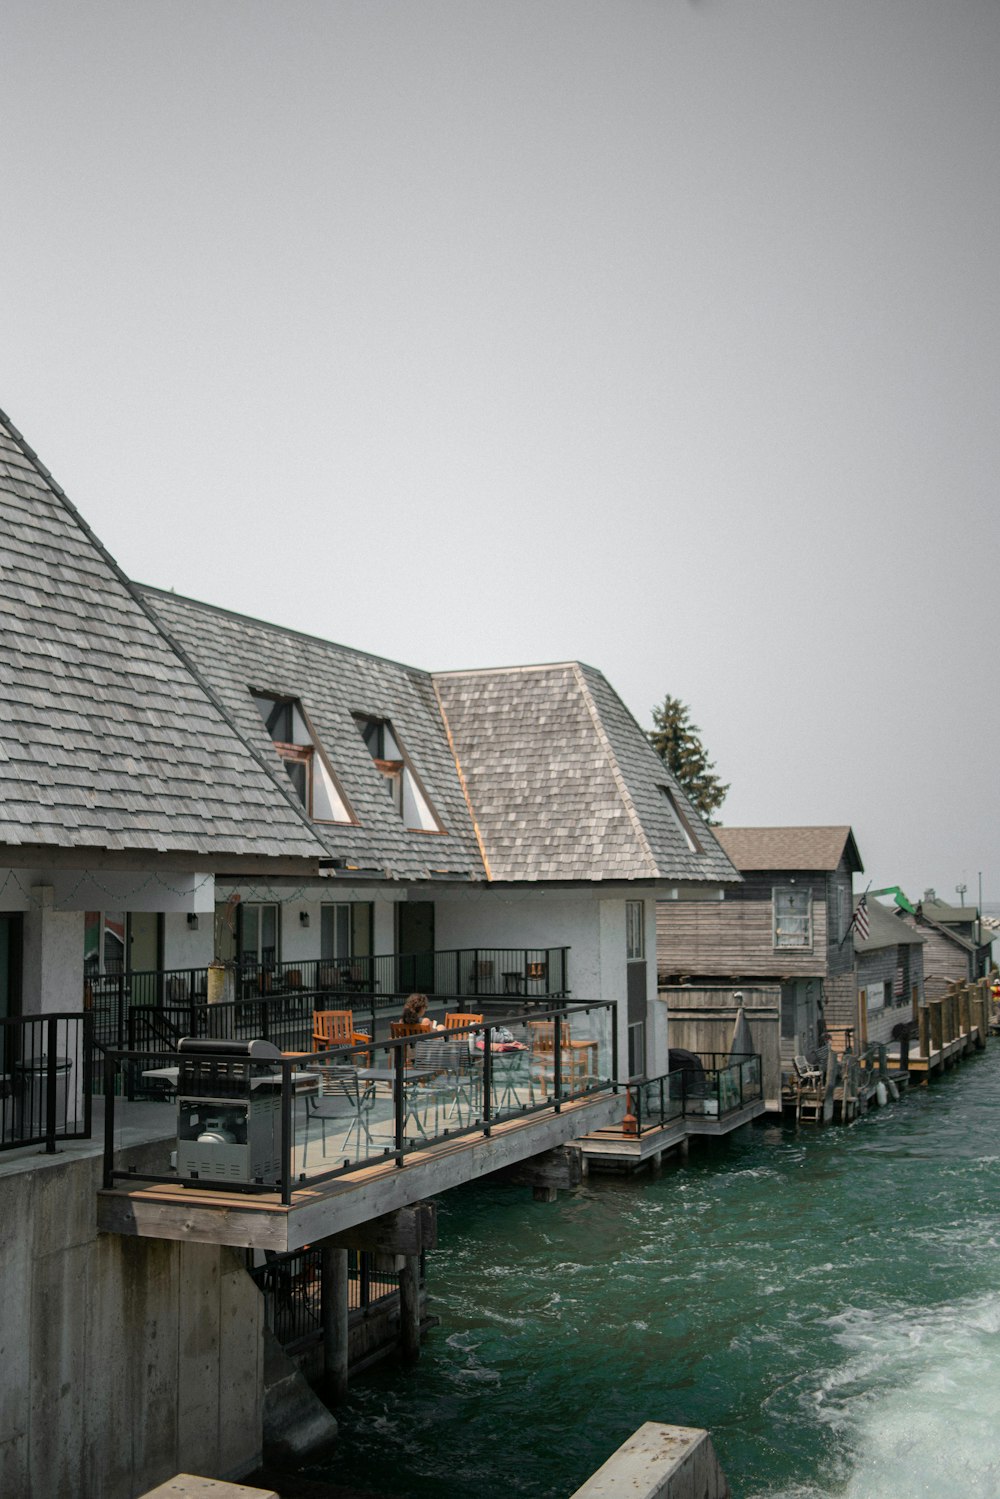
x=456 y=1020
x=333 y=1028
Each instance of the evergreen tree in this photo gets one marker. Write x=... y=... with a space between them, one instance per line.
x=675 y=739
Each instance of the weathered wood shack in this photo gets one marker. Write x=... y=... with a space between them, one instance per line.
x=785 y=926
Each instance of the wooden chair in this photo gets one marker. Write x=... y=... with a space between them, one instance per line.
x=333 y=1028
x=456 y=1020
x=806 y=1075
x=575 y=1056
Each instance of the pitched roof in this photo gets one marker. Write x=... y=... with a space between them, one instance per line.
x=564 y=784
x=108 y=741
x=885 y=929
x=820 y=848
x=333 y=683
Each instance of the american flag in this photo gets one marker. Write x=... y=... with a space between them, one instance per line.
x=859 y=921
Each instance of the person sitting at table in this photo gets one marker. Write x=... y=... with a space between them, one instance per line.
x=415 y=1013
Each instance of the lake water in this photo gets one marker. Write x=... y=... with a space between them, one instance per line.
x=826 y=1302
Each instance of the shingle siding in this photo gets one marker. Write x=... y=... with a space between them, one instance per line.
x=562 y=781
x=108 y=741
x=333 y=683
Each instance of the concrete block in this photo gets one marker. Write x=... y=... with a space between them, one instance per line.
x=189 y=1486
x=296 y=1422
x=660 y=1462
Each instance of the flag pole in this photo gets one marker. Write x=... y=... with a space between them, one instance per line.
x=854 y=917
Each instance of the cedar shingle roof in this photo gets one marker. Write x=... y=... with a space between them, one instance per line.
x=107 y=740
x=334 y=682
x=820 y=848
x=564 y=784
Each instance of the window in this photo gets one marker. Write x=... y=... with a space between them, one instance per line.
x=635 y=930
x=841 y=912
x=315 y=784
x=636 y=1049
x=792 y=917
x=398 y=776
x=258 y=935
x=681 y=821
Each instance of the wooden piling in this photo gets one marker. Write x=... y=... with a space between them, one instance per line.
x=334 y=1282
x=924 y=1030
x=409 y=1309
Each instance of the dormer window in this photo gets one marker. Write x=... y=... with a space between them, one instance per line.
x=315 y=784
x=681 y=822
x=399 y=778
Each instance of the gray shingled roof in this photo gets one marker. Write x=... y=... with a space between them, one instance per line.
x=334 y=682
x=107 y=740
x=564 y=784
x=820 y=848
x=884 y=929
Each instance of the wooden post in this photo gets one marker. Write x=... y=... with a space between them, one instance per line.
x=935 y=1007
x=904 y=1053
x=882 y=1068
x=831 y=1085
x=915 y=997
x=409 y=1309
x=964 y=1011
x=924 y=1030
x=334 y=1282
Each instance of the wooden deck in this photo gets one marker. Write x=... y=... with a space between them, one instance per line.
x=319 y=1209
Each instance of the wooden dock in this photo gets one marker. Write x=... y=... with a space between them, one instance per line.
x=949 y=1028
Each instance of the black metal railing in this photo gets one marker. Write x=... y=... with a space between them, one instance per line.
x=312 y=1118
x=536 y=973
x=45 y=1079
x=719 y=1085
x=292 y=1285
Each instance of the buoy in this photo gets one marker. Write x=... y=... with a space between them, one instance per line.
x=881 y=1094
x=893 y=1090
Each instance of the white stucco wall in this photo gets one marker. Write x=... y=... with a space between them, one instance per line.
x=590 y=923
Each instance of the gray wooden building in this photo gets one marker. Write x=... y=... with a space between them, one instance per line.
x=786 y=925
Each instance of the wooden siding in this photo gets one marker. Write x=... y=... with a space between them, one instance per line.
x=734 y=938
x=702 y=1020
x=879 y=966
x=944 y=962
x=840 y=954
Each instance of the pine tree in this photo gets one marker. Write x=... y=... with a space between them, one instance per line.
x=675 y=739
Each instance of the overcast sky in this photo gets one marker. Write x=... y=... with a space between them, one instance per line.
x=661 y=334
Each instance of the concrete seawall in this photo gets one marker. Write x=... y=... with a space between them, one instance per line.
x=122 y=1361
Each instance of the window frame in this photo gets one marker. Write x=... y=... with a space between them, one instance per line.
x=635 y=952
x=784 y=941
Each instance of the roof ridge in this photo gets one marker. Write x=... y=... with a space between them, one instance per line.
x=499 y=671
x=267 y=624
x=462 y=782
x=619 y=779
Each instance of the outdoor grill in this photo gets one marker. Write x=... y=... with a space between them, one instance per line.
x=228 y=1111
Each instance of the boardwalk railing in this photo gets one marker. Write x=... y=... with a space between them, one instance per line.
x=268 y=1125
x=45 y=1087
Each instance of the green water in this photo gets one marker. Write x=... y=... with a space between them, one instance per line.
x=824 y=1301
